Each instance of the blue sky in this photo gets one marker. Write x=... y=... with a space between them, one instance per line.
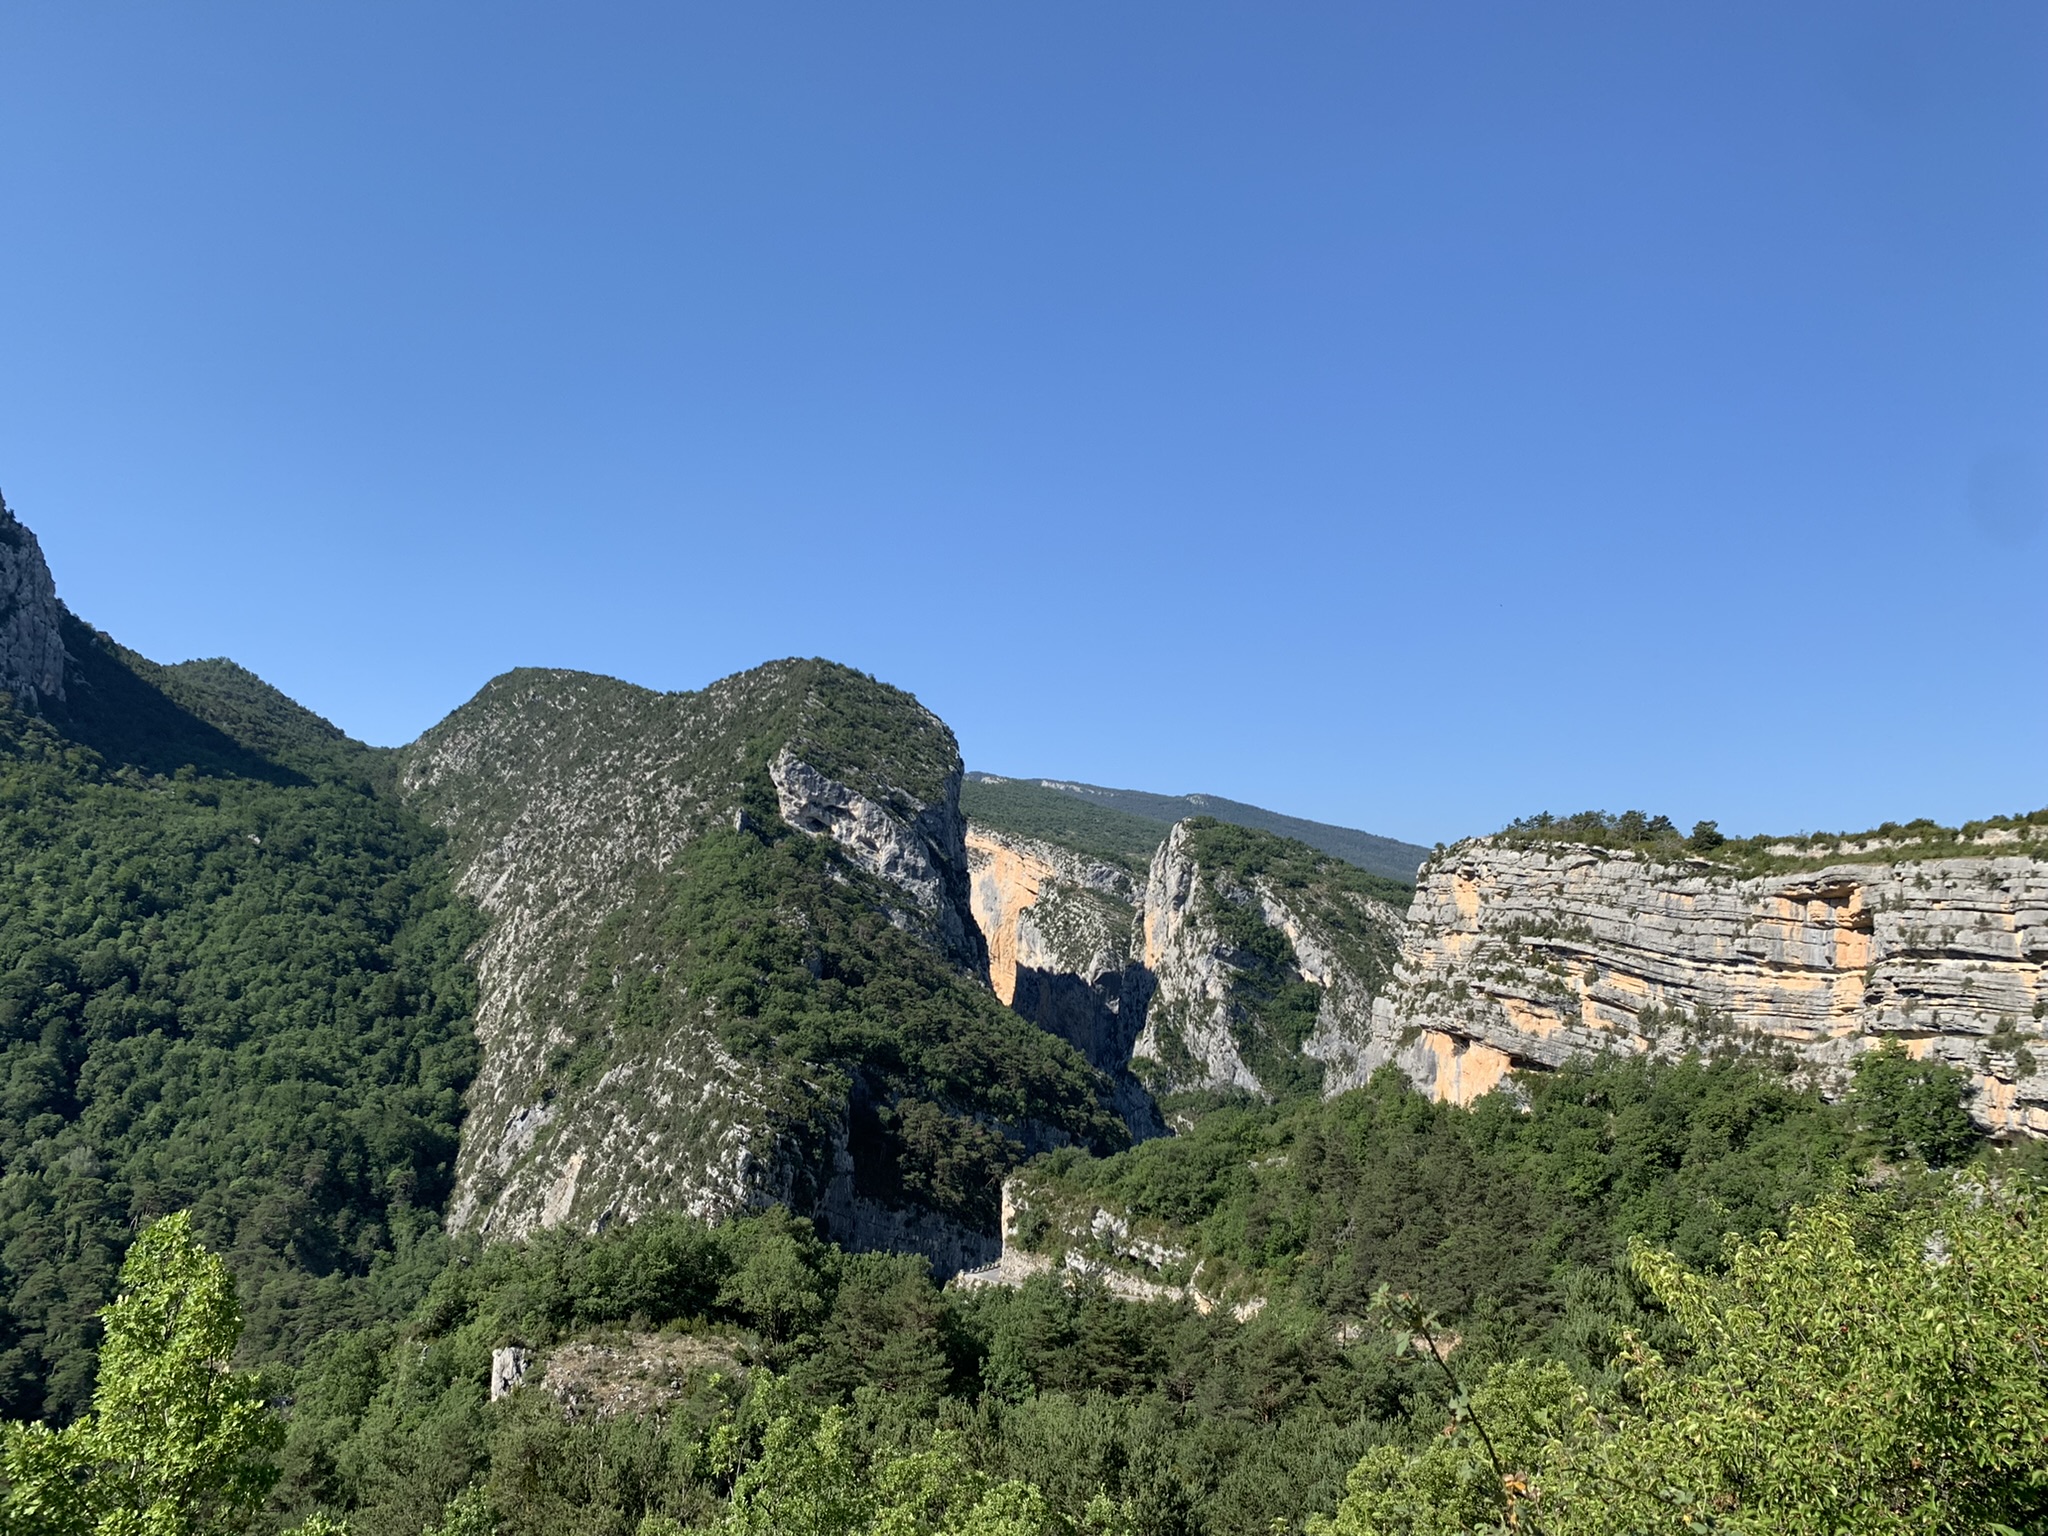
x=1407 y=416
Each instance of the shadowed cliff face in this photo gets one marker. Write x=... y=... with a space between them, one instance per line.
x=1059 y=927
x=1519 y=956
x=1242 y=963
x=730 y=962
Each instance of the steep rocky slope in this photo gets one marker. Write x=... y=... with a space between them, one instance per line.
x=1525 y=954
x=1241 y=962
x=1060 y=927
x=1266 y=957
x=732 y=961
x=31 y=619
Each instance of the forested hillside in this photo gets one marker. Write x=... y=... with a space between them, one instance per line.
x=231 y=981
x=1081 y=815
x=1428 y=1275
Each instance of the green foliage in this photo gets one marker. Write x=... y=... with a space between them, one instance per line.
x=1903 y=1108
x=1025 y=808
x=176 y=1443
x=1656 y=839
x=843 y=1392
x=1180 y=1421
x=1635 y=831
x=1875 y=1372
x=794 y=958
x=1492 y=1216
x=810 y=1478
x=238 y=993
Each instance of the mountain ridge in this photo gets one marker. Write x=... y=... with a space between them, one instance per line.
x=1004 y=799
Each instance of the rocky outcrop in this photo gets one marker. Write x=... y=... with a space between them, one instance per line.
x=1189 y=1037
x=1525 y=956
x=919 y=849
x=1079 y=1240
x=1059 y=926
x=1227 y=1005
x=31 y=634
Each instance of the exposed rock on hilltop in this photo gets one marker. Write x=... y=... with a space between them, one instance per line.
x=1527 y=955
x=31 y=620
x=731 y=961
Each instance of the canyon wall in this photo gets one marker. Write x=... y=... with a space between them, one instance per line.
x=1240 y=963
x=1059 y=928
x=1526 y=956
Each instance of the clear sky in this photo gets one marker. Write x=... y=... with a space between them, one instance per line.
x=1407 y=416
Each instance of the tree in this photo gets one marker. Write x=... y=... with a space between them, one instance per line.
x=1906 y=1108
x=1871 y=1373
x=176 y=1443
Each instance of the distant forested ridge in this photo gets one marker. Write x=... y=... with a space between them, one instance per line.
x=1115 y=822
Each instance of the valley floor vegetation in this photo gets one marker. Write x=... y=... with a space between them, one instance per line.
x=1681 y=1297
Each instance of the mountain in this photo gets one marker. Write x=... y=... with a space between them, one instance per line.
x=731 y=962
x=1130 y=822
x=624 y=1111
x=583 y=951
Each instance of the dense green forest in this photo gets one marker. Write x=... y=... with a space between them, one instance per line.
x=1595 y=1363
x=231 y=981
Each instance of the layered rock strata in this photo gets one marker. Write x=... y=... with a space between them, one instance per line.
x=1521 y=956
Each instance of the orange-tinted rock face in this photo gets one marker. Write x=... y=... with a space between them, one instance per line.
x=1533 y=955
x=1058 y=928
x=1006 y=876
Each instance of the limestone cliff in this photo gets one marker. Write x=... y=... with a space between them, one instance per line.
x=1520 y=955
x=731 y=961
x=1059 y=926
x=31 y=621
x=1265 y=957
